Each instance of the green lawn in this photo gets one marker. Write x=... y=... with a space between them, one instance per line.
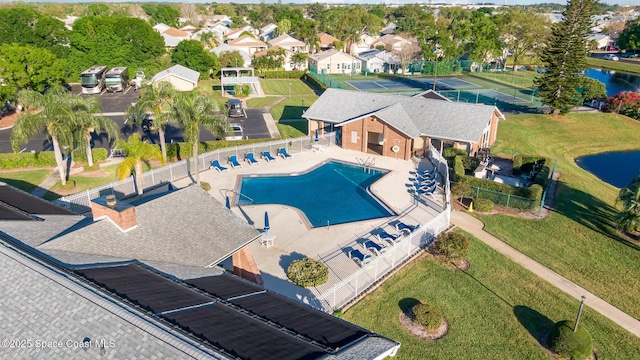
x=614 y=65
x=520 y=78
x=293 y=129
x=261 y=102
x=578 y=239
x=285 y=87
x=497 y=310
x=292 y=108
x=26 y=180
x=212 y=87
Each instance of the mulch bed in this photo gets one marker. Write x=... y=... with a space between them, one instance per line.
x=9 y=119
x=420 y=331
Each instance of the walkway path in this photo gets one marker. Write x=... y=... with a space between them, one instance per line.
x=475 y=227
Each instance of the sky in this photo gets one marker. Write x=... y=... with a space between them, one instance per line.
x=497 y=2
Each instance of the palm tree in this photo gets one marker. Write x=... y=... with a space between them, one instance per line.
x=629 y=218
x=137 y=151
x=158 y=101
x=53 y=112
x=209 y=39
x=193 y=110
x=88 y=122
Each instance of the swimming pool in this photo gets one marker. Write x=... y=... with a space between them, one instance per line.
x=334 y=192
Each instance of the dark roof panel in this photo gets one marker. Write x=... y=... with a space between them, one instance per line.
x=224 y=286
x=302 y=319
x=28 y=203
x=144 y=288
x=241 y=335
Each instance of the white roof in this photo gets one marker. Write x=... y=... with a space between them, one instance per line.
x=178 y=71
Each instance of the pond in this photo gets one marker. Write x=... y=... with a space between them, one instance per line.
x=616 y=168
x=615 y=81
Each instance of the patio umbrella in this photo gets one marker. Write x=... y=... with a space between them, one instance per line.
x=317 y=138
x=228 y=203
x=266 y=221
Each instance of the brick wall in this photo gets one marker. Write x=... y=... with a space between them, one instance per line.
x=372 y=124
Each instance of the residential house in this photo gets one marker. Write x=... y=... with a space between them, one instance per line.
x=389 y=29
x=268 y=32
x=160 y=27
x=602 y=41
x=221 y=27
x=288 y=63
x=172 y=36
x=248 y=44
x=333 y=62
x=189 y=28
x=379 y=61
x=182 y=78
x=219 y=18
x=228 y=48
x=326 y=41
x=217 y=35
x=392 y=42
x=234 y=34
x=289 y=43
x=400 y=126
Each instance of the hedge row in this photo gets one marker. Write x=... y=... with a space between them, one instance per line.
x=281 y=74
x=44 y=158
x=313 y=82
x=534 y=192
x=182 y=150
x=524 y=163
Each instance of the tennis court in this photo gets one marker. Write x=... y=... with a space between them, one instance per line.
x=410 y=84
x=485 y=96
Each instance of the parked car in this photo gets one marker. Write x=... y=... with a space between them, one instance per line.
x=234 y=108
x=147 y=122
x=611 y=57
x=630 y=55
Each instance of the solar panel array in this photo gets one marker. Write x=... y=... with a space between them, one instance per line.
x=18 y=205
x=233 y=315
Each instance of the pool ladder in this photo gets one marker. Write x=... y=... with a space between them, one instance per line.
x=366 y=164
x=325 y=217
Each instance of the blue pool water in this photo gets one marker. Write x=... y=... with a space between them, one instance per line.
x=615 y=168
x=334 y=192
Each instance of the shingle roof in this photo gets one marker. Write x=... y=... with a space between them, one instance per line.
x=178 y=71
x=247 y=41
x=186 y=227
x=285 y=40
x=326 y=39
x=176 y=32
x=414 y=116
x=41 y=303
x=327 y=54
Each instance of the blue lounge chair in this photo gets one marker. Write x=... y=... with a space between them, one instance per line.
x=429 y=173
x=373 y=246
x=392 y=238
x=360 y=258
x=215 y=164
x=267 y=156
x=283 y=152
x=426 y=190
x=251 y=159
x=233 y=160
x=402 y=227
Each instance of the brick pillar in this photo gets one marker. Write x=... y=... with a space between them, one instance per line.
x=244 y=265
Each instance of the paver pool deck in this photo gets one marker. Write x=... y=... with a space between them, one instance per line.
x=294 y=237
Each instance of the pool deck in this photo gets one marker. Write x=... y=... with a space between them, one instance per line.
x=295 y=240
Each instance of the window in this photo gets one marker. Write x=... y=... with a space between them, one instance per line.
x=354 y=137
x=328 y=66
x=338 y=66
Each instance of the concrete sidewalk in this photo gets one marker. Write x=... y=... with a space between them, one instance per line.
x=475 y=227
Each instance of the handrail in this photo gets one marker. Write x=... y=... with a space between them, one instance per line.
x=238 y=193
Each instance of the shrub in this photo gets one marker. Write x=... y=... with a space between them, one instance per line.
x=458 y=168
x=308 y=272
x=26 y=159
x=281 y=74
x=338 y=313
x=452 y=245
x=626 y=103
x=99 y=154
x=313 y=82
x=461 y=189
x=241 y=90
x=91 y=168
x=569 y=344
x=450 y=154
x=483 y=205
x=535 y=192
x=205 y=186
x=524 y=163
x=427 y=315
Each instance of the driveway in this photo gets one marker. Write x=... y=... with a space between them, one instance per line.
x=115 y=104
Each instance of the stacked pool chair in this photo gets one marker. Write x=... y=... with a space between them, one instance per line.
x=425 y=183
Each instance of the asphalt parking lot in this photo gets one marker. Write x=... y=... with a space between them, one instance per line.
x=114 y=106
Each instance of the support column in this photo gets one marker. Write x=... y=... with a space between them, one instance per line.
x=244 y=265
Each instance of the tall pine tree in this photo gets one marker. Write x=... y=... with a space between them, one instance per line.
x=565 y=56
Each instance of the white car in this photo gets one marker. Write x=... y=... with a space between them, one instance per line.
x=611 y=57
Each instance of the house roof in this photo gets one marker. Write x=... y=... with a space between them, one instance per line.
x=414 y=116
x=226 y=47
x=207 y=233
x=319 y=56
x=392 y=39
x=16 y=204
x=160 y=27
x=171 y=41
x=266 y=51
x=176 y=33
x=56 y=302
x=234 y=33
x=178 y=71
x=285 y=40
x=383 y=55
x=247 y=41
x=326 y=39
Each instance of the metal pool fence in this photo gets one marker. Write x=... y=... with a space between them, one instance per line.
x=81 y=202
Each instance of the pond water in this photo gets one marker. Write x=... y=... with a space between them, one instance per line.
x=615 y=81
x=615 y=168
